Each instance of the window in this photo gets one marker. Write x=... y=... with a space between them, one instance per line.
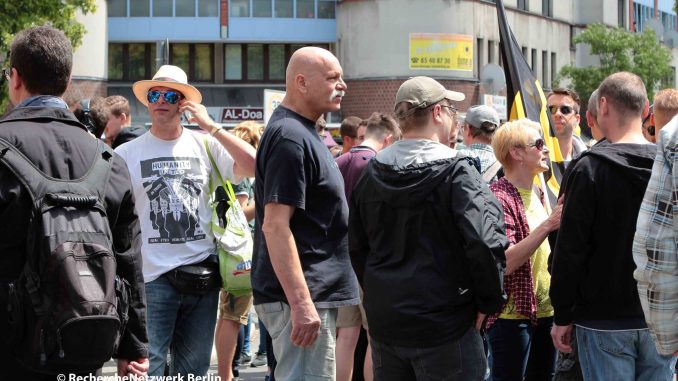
x=305 y=9
x=554 y=73
x=204 y=61
x=240 y=8
x=117 y=8
x=621 y=13
x=185 y=8
x=544 y=68
x=547 y=8
x=208 y=8
x=261 y=8
x=259 y=62
x=195 y=59
x=179 y=56
x=255 y=62
x=326 y=9
x=490 y=51
x=524 y=49
x=479 y=51
x=522 y=5
x=284 y=8
x=276 y=62
x=115 y=59
x=233 y=62
x=139 y=8
x=534 y=62
x=130 y=62
x=162 y=8
x=670 y=80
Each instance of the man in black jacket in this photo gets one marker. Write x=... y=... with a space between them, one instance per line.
x=592 y=282
x=43 y=129
x=427 y=243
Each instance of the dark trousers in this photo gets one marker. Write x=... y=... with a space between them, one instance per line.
x=463 y=360
x=520 y=350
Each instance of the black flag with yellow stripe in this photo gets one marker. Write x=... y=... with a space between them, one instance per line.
x=525 y=98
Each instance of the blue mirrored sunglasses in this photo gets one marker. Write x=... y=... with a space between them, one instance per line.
x=170 y=96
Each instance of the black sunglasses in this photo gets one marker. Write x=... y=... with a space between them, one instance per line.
x=170 y=96
x=565 y=110
x=538 y=144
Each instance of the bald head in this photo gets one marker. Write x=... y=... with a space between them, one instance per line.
x=314 y=82
x=306 y=60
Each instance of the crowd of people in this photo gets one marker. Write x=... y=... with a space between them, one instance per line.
x=428 y=235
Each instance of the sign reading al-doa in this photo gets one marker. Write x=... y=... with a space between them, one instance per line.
x=441 y=51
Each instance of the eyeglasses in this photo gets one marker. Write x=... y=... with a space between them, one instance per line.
x=170 y=96
x=565 y=110
x=538 y=144
x=451 y=109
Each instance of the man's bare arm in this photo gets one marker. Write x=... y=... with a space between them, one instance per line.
x=282 y=251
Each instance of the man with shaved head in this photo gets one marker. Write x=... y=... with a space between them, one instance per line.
x=592 y=284
x=301 y=271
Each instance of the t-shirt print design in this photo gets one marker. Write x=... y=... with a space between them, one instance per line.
x=173 y=186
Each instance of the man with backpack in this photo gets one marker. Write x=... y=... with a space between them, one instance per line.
x=171 y=172
x=71 y=287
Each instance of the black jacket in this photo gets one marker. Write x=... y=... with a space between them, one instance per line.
x=60 y=146
x=427 y=244
x=592 y=275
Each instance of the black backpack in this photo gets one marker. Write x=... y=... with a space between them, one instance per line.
x=68 y=309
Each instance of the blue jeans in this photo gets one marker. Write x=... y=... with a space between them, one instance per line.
x=462 y=360
x=262 y=338
x=246 y=330
x=622 y=355
x=185 y=323
x=520 y=350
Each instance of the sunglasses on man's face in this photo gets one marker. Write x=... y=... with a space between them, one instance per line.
x=565 y=110
x=538 y=144
x=170 y=96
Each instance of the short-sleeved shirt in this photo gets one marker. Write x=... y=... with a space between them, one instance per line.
x=352 y=164
x=171 y=187
x=294 y=168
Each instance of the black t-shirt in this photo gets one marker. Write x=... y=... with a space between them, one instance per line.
x=295 y=168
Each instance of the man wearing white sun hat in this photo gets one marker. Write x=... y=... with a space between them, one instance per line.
x=170 y=172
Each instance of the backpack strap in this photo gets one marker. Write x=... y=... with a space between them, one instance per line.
x=491 y=171
x=59 y=191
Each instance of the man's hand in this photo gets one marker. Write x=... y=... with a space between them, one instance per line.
x=199 y=115
x=480 y=319
x=305 y=324
x=561 y=334
x=138 y=368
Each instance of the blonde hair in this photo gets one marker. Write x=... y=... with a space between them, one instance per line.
x=249 y=131
x=666 y=102
x=511 y=135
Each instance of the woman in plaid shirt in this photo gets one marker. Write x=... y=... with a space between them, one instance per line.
x=519 y=335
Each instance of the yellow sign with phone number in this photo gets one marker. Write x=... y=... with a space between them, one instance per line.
x=441 y=51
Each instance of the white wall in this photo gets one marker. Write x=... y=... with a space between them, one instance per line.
x=90 y=58
x=373 y=35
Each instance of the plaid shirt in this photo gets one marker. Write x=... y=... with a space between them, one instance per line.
x=655 y=245
x=484 y=152
x=518 y=284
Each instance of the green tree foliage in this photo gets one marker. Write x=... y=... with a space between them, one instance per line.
x=16 y=15
x=619 y=50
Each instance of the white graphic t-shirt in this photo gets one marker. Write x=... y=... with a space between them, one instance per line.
x=171 y=186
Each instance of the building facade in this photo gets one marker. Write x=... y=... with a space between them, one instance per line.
x=234 y=49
